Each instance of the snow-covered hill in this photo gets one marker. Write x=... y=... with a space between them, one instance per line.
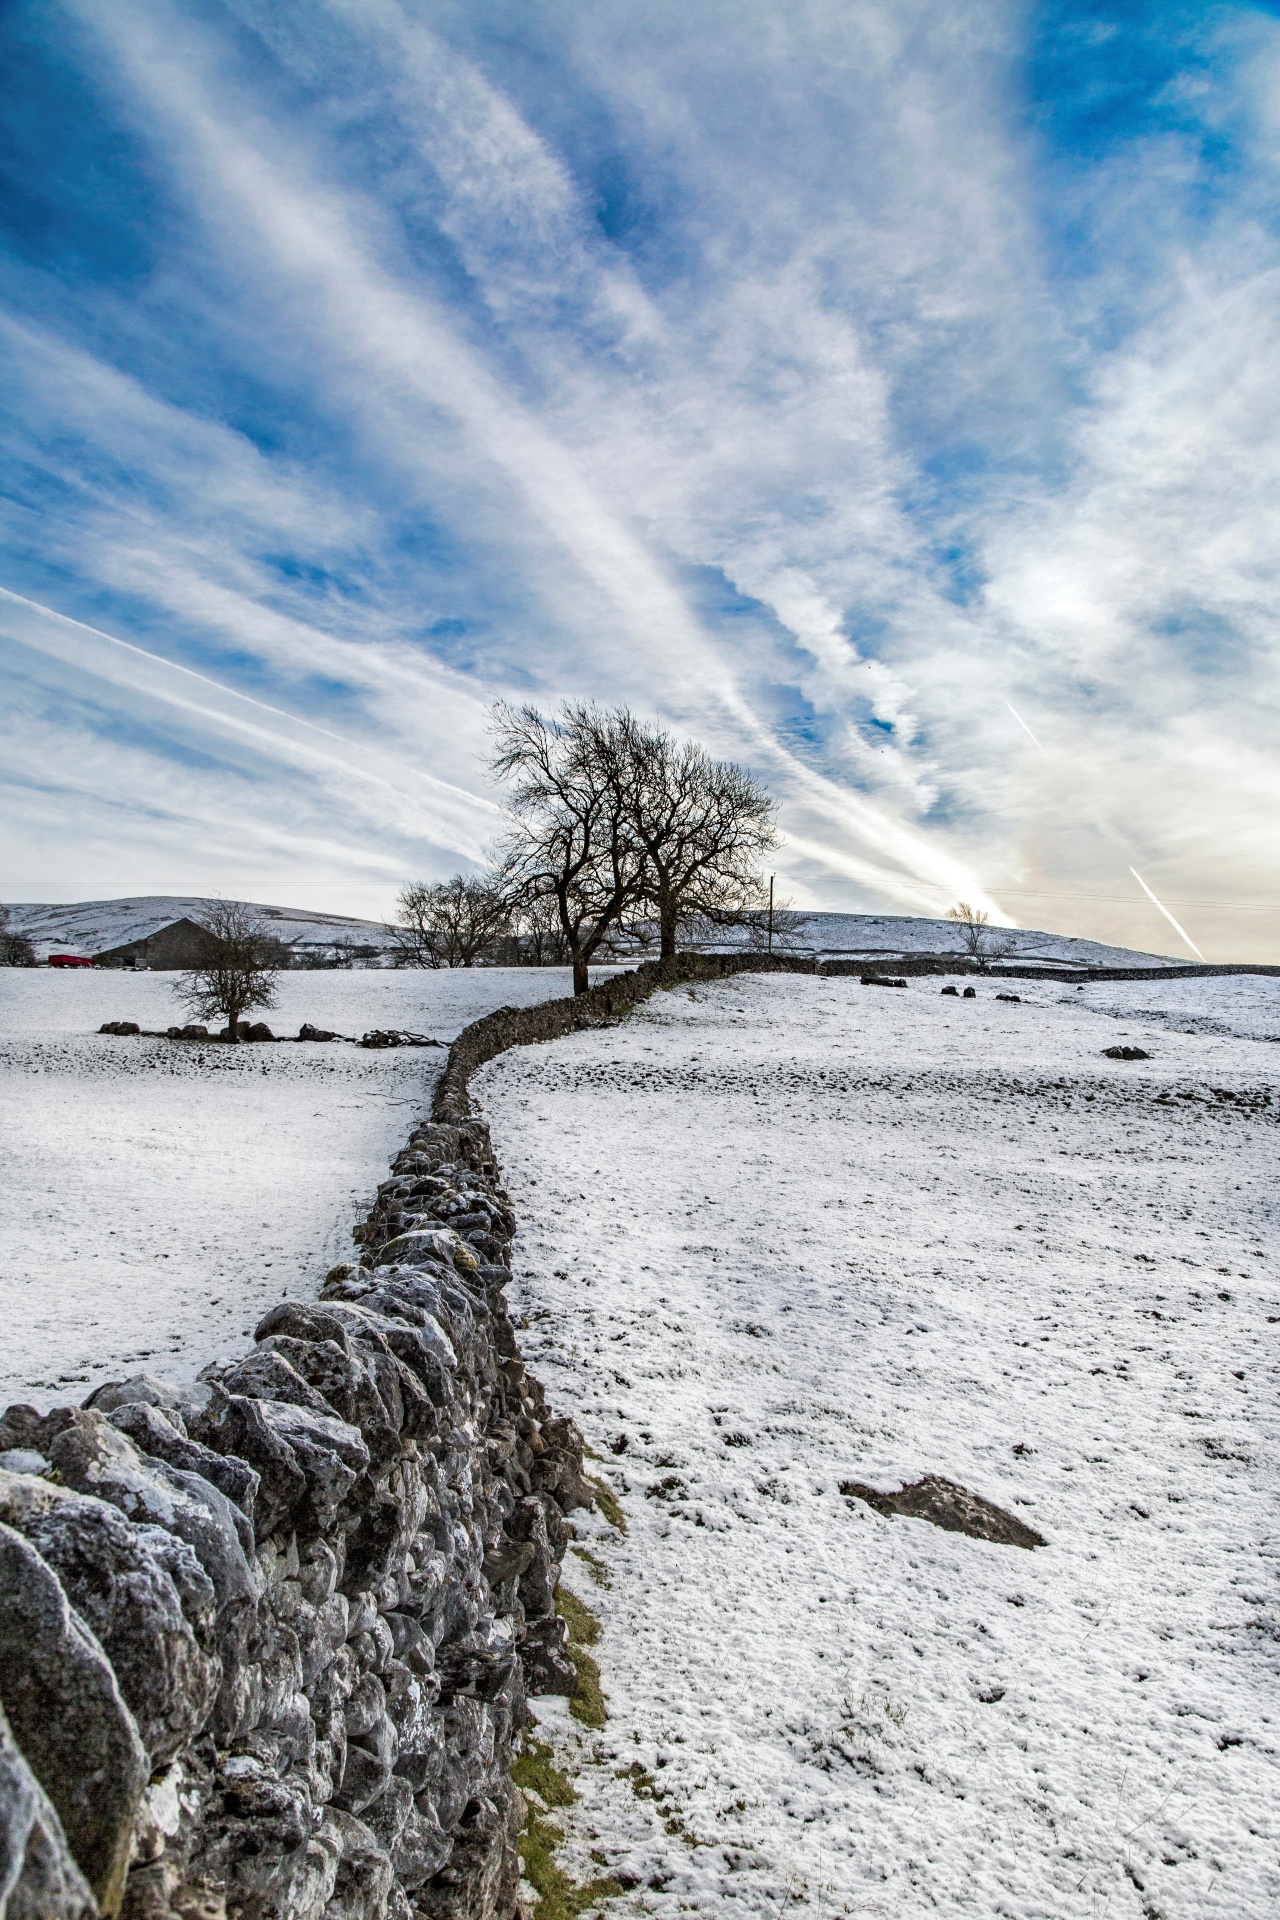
x=885 y=936
x=96 y=926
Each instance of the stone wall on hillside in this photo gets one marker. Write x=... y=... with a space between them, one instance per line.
x=952 y=963
x=265 y=1637
x=611 y=1000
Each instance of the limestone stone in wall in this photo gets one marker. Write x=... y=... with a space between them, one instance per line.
x=39 y=1880
x=66 y=1712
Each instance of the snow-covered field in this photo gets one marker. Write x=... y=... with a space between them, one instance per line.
x=782 y=1233
x=156 y=1199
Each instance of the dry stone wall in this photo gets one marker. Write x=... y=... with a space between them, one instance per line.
x=611 y=1000
x=265 y=1637
x=961 y=963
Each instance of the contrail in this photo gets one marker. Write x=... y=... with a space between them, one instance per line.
x=159 y=659
x=1110 y=834
x=1168 y=916
x=247 y=699
x=1022 y=723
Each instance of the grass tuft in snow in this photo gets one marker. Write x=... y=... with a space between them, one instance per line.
x=608 y=1503
x=645 y=1787
x=559 y=1897
x=882 y=1703
x=588 y=1702
x=584 y=1628
x=595 y=1566
x=535 y=1772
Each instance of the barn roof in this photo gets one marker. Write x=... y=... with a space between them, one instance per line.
x=133 y=940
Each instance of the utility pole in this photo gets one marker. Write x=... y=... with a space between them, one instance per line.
x=772 y=878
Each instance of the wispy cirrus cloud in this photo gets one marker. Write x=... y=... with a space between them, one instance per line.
x=824 y=379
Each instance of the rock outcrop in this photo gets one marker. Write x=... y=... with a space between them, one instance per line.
x=39 y=1880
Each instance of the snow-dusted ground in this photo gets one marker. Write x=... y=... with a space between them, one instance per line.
x=782 y=1232
x=1243 y=1007
x=156 y=1199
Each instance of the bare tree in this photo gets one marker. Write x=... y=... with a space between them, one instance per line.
x=16 y=949
x=702 y=825
x=239 y=970
x=783 y=930
x=571 y=839
x=450 y=923
x=980 y=940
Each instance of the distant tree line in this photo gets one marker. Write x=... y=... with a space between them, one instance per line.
x=620 y=838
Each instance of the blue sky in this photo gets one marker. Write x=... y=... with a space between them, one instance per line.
x=883 y=393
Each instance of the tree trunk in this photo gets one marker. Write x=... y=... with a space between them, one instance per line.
x=581 y=981
x=667 y=933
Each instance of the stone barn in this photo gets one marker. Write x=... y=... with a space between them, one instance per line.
x=184 y=943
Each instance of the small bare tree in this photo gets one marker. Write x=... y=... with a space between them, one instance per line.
x=539 y=937
x=16 y=949
x=980 y=940
x=238 y=972
x=450 y=923
x=570 y=841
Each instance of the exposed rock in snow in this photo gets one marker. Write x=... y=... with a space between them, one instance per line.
x=944 y=1504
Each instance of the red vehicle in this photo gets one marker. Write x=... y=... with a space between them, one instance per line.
x=69 y=960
